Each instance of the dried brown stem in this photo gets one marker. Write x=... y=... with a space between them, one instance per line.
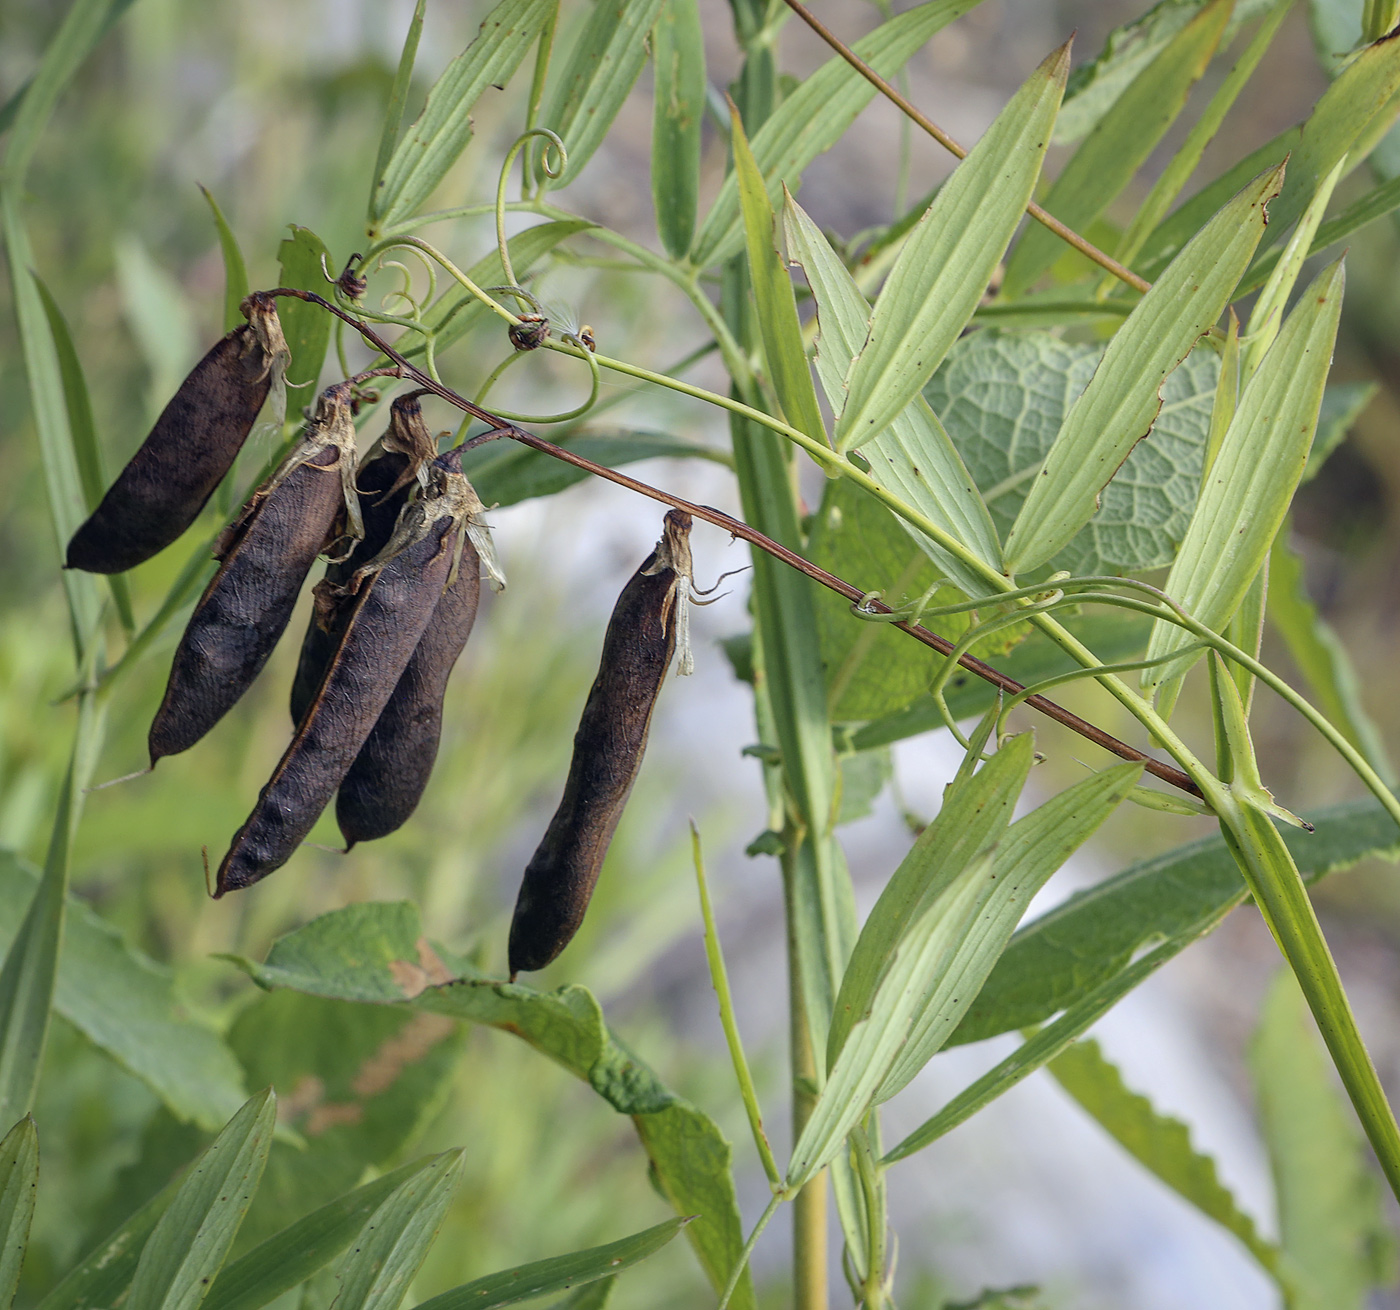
x=738 y=528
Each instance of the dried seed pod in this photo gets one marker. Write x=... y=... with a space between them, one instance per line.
x=190 y=449
x=398 y=459
x=386 y=781
x=612 y=734
x=388 y=602
x=266 y=555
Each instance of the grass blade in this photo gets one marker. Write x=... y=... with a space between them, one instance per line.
x=19 y=1182
x=679 y=61
x=398 y=95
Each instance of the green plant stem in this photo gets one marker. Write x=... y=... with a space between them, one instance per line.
x=744 y=1255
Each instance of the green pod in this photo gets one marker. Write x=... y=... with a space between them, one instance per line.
x=190 y=450
x=608 y=748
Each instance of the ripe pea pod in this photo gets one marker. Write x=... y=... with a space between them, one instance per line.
x=266 y=554
x=608 y=746
x=388 y=602
x=190 y=450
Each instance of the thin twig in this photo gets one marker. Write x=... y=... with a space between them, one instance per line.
x=892 y=93
x=738 y=528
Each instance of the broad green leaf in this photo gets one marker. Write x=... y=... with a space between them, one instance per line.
x=914 y=458
x=192 y=1238
x=235 y=270
x=376 y=952
x=19 y=1183
x=679 y=62
x=949 y=258
x=126 y=1005
x=388 y=1251
x=393 y=110
x=433 y=143
x=1158 y=1141
x=1003 y=396
x=1332 y=1225
x=306 y=327
x=1122 y=400
x=1120 y=144
x=290 y=1257
x=779 y=328
x=1059 y=958
x=1253 y=478
x=505 y=473
x=606 y=60
x=1321 y=657
x=815 y=116
x=556 y=1274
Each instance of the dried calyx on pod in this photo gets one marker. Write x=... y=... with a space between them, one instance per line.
x=191 y=448
x=388 y=602
x=648 y=620
x=265 y=556
x=387 y=474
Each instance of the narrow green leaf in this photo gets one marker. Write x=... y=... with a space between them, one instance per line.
x=1124 y=395
x=606 y=60
x=914 y=458
x=290 y=1257
x=945 y=265
x=1332 y=1224
x=192 y=1238
x=432 y=145
x=1157 y=1141
x=398 y=95
x=778 y=324
x=389 y=1250
x=1253 y=478
x=1120 y=144
x=306 y=327
x=679 y=61
x=235 y=270
x=557 y=1273
x=19 y=1183
x=815 y=116
x=1227 y=396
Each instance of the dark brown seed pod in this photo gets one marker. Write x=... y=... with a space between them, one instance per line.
x=388 y=601
x=608 y=746
x=190 y=449
x=266 y=555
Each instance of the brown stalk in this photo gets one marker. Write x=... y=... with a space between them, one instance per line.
x=1086 y=248
x=737 y=527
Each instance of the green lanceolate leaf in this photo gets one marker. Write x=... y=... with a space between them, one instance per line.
x=679 y=61
x=191 y=1241
x=1124 y=395
x=556 y=1274
x=432 y=145
x=606 y=60
x=306 y=327
x=1157 y=1141
x=914 y=457
x=946 y=263
x=235 y=270
x=19 y=1183
x=1120 y=144
x=772 y=288
x=1253 y=478
x=815 y=116
x=383 y=1259
x=398 y=95
x=1332 y=1226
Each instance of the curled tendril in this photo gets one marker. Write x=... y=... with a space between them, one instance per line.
x=403 y=293
x=552 y=138
x=577 y=412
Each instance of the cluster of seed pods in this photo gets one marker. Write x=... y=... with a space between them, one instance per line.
x=405 y=538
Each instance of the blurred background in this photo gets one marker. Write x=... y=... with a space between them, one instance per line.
x=275 y=107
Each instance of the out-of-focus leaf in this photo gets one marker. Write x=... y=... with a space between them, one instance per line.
x=306 y=327
x=949 y=258
x=591 y=1296
x=160 y=315
x=1332 y=1224
x=19 y=1183
x=1342 y=404
x=605 y=61
x=679 y=61
x=1122 y=400
x=1120 y=144
x=398 y=94
x=235 y=270
x=556 y=1274
x=192 y=1238
x=1253 y=478
x=863 y=777
x=815 y=116
x=433 y=143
